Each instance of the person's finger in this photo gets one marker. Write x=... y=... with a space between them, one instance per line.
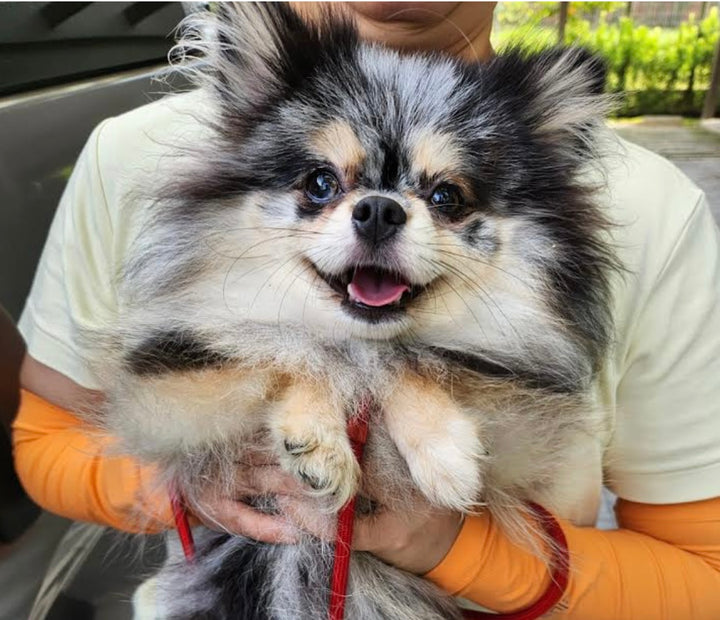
x=238 y=518
x=266 y=480
x=362 y=535
x=371 y=530
x=307 y=514
x=257 y=457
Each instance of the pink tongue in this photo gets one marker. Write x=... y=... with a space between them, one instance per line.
x=375 y=288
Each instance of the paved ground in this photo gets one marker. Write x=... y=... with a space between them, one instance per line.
x=695 y=149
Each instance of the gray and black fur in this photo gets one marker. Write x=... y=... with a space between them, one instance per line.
x=234 y=293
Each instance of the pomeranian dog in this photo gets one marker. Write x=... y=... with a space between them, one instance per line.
x=353 y=222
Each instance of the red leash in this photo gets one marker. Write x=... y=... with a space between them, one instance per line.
x=357 y=432
x=560 y=575
x=183 y=525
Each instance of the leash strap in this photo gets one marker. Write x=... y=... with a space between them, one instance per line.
x=183 y=525
x=357 y=431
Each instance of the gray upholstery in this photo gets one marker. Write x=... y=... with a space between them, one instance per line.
x=17 y=512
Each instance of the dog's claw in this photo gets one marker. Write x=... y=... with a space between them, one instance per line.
x=325 y=464
x=297 y=448
x=313 y=482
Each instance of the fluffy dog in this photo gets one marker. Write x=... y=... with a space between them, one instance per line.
x=355 y=222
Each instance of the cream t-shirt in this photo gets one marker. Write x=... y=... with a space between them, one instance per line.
x=660 y=386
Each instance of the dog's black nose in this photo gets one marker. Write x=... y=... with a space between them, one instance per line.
x=377 y=218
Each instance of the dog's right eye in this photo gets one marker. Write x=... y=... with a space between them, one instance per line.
x=322 y=186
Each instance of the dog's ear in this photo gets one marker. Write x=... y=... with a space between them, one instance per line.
x=255 y=54
x=559 y=92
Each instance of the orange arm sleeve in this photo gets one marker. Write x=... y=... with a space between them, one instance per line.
x=663 y=563
x=67 y=471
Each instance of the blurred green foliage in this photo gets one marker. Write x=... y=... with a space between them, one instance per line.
x=659 y=70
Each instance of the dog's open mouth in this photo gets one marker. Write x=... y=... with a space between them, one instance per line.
x=376 y=288
x=371 y=292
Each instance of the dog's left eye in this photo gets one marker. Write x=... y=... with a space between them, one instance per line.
x=322 y=186
x=447 y=201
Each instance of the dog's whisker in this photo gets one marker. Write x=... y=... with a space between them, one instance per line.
x=304 y=268
x=477 y=287
x=261 y=286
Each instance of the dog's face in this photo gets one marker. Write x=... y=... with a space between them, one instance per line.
x=363 y=193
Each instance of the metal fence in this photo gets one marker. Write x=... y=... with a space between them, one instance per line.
x=662 y=14
x=666 y=14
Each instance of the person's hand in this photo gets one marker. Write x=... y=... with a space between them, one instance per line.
x=240 y=511
x=229 y=510
x=416 y=542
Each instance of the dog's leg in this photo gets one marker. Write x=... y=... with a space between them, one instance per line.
x=439 y=441
x=172 y=415
x=313 y=445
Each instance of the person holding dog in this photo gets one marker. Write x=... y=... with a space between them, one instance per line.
x=662 y=457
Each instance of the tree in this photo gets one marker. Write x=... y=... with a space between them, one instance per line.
x=711 y=96
x=562 y=21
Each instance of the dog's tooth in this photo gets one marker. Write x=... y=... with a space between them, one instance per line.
x=350 y=294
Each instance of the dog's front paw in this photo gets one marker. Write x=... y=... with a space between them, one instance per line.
x=309 y=431
x=448 y=468
x=439 y=440
x=323 y=461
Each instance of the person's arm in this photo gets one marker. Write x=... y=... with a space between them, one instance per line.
x=62 y=465
x=66 y=469
x=663 y=562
